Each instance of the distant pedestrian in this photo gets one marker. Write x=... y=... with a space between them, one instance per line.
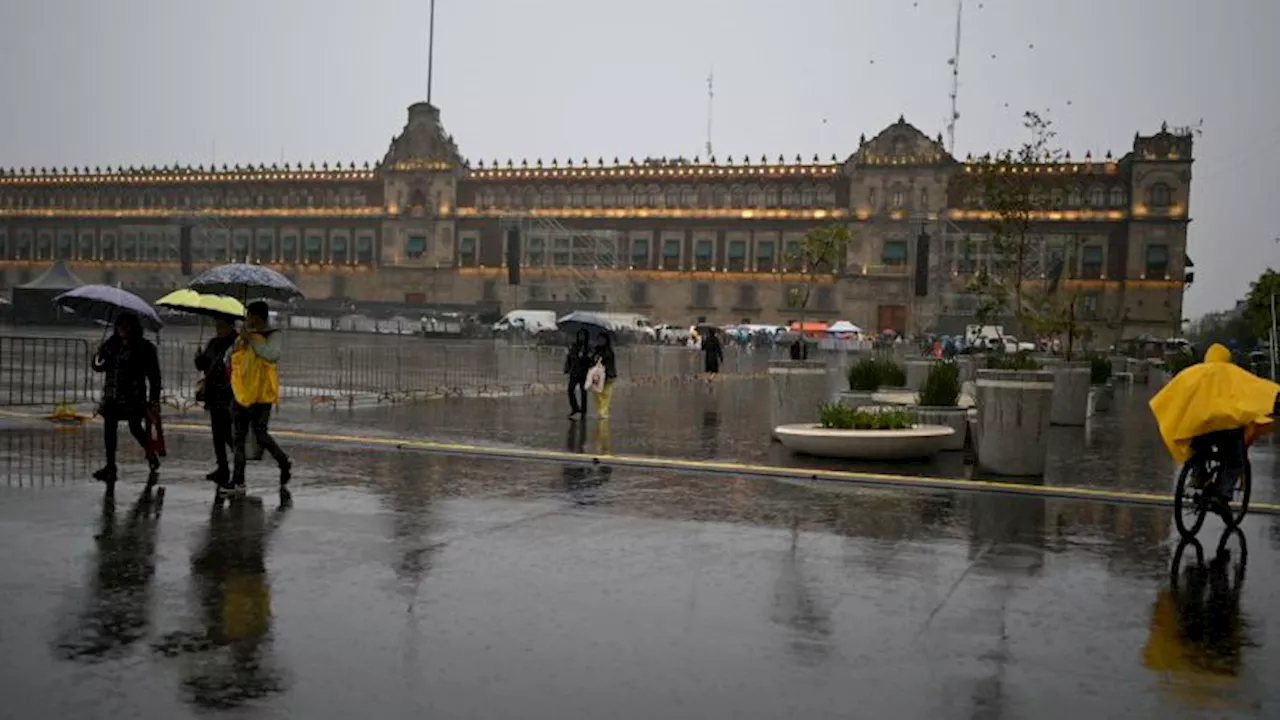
x=215 y=393
x=713 y=352
x=255 y=388
x=577 y=362
x=602 y=354
x=131 y=386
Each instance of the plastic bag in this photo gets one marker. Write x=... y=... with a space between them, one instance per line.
x=595 y=378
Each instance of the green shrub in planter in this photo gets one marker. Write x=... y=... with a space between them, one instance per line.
x=892 y=374
x=941 y=387
x=1099 y=369
x=1179 y=361
x=1016 y=361
x=865 y=375
x=834 y=416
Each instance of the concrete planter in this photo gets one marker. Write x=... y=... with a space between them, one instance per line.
x=1138 y=369
x=917 y=371
x=1070 y=394
x=956 y=418
x=856 y=398
x=796 y=389
x=921 y=441
x=1014 y=411
x=1101 y=398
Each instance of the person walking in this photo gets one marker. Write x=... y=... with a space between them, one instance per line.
x=602 y=353
x=255 y=388
x=131 y=367
x=576 y=364
x=713 y=352
x=215 y=392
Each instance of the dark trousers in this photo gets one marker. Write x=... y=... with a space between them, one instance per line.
x=111 y=432
x=578 y=394
x=1228 y=446
x=253 y=419
x=223 y=434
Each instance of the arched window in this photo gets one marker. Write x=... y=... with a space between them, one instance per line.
x=562 y=196
x=1056 y=198
x=871 y=198
x=689 y=196
x=1097 y=197
x=924 y=198
x=530 y=197
x=593 y=196
x=655 y=196
x=771 y=196
x=737 y=197
x=577 y=196
x=807 y=196
x=755 y=198
x=548 y=197
x=897 y=198
x=1075 y=197
x=721 y=197
x=1159 y=195
x=672 y=196
x=612 y=197
x=788 y=196
x=1117 y=197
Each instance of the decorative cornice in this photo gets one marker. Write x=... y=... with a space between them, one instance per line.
x=179 y=176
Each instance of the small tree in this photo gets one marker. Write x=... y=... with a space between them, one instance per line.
x=1014 y=188
x=820 y=253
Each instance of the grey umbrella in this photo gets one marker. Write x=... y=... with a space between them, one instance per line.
x=246 y=282
x=106 y=303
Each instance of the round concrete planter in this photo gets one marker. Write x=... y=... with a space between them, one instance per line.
x=917 y=371
x=856 y=398
x=921 y=441
x=1014 y=409
x=956 y=418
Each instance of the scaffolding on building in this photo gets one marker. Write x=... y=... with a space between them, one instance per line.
x=586 y=263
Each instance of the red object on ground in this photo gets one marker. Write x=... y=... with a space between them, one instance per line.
x=155 y=432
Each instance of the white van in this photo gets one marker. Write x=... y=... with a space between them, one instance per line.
x=529 y=321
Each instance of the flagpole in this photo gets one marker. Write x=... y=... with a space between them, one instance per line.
x=431 y=45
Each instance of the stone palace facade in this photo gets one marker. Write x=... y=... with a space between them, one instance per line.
x=672 y=239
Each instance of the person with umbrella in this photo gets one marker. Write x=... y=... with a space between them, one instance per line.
x=131 y=367
x=577 y=363
x=603 y=356
x=215 y=392
x=712 y=351
x=255 y=388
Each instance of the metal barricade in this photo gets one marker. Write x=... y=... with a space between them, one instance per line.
x=45 y=371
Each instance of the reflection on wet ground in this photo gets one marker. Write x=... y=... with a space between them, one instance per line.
x=407 y=585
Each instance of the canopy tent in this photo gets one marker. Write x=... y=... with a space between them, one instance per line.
x=843 y=327
x=33 y=301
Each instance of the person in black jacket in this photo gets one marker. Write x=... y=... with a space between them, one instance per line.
x=215 y=392
x=132 y=368
x=603 y=353
x=713 y=351
x=576 y=364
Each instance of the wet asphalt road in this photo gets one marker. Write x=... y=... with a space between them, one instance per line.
x=396 y=584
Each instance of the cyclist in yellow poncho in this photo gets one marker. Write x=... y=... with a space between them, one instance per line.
x=1215 y=404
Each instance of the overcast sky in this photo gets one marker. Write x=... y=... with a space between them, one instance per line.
x=97 y=82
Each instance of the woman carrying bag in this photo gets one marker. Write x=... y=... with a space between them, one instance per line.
x=603 y=374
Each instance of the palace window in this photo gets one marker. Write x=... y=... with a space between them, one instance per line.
x=871 y=198
x=737 y=197
x=673 y=197
x=611 y=196
x=1117 y=197
x=338 y=250
x=313 y=249
x=689 y=197
x=530 y=197
x=764 y=256
x=415 y=247
x=639 y=294
x=23 y=249
x=671 y=254
x=537 y=251
x=1097 y=197
x=1157 y=265
x=894 y=253
x=64 y=246
x=129 y=247
x=1160 y=195
x=771 y=196
x=807 y=196
x=640 y=254
x=1091 y=262
x=746 y=297
x=562 y=196
x=108 y=250
x=1056 y=198
x=924 y=198
x=703 y=255
x=577 y=196
x=289 y=247
x=593 y=196
x=548 y=197
x=791 y=258
x=467 y=251
x=721 y=197
x=364 y=250
x=85 y=251
x=265 y=246
x=737 y=256
x=898 y=199
x=1074 y=198
x=788 y=196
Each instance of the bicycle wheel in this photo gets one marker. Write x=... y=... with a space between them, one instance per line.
x=1189 y=506
x=1240 y=499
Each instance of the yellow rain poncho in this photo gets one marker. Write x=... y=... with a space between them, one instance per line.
x=1211 y=396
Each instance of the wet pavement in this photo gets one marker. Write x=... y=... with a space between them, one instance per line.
x=406 y=585
x=398 y=584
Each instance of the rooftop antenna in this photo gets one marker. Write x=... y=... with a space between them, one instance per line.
x=431 y=48
x=711 y=96
x=955 y=83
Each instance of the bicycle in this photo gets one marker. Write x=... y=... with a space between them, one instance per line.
x=1196 y=493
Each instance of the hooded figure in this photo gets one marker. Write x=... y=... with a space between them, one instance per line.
x=1214 y=403
x=576 y=365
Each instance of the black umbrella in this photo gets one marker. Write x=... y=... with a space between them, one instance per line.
x=244 y=281
x=593 y=323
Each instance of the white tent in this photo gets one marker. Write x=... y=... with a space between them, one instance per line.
x=841 y=327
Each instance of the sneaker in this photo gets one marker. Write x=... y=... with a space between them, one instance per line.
x=286 y=472
x=106 y=474
x=222 y=476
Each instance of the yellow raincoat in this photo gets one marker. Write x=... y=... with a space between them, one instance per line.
x=253 y=379
x=1212 y=396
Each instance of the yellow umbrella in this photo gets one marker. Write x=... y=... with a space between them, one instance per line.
x=214 y=306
